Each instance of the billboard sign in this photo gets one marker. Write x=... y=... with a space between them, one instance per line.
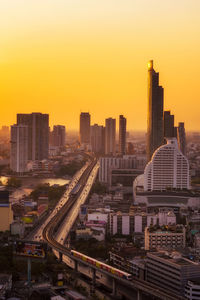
x=30 y=249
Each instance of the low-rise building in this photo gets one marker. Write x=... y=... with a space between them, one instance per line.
x=6 y=213
x=17 y=228
x=165 y=237
x=83 y=233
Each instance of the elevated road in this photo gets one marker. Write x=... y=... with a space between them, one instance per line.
x=58 y=227
x=37 y=234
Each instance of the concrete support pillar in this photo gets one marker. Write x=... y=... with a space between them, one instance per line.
x=60 y=257
x=114 y=287
x=75 y=266
x=29 y=271
x=93 y=277
x=139 y=295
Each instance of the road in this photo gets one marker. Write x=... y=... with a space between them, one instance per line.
x=65 y=217
x=37 y=234
x=71 y=217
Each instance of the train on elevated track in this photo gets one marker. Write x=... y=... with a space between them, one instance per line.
x=101 y=265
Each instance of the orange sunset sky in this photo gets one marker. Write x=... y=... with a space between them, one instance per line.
x=66 y=56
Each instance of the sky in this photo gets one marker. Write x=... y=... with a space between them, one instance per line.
x=66 y=56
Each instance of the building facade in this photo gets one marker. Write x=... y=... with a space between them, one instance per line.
x=38 y=134
x=168 y=124
x=19 y=148
x=192 y=289
x=171 y=238
x=58 y=136
x=168 y=168
x=122 y=135
x=155 y=112
x=170 y=270
x=181 y=137
x=127 y=162
x=110 y=136
x=97 y=138
x=84 y=128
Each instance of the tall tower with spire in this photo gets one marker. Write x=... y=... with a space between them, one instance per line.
x=155 y=129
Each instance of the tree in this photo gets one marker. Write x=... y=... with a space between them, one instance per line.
x=99 y=188
x=14 y=182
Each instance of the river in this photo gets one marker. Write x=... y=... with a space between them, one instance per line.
x=30 y=183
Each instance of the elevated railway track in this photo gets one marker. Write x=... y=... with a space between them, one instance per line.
x=51 y=228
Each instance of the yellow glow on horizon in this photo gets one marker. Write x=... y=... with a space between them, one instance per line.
x=66 y=56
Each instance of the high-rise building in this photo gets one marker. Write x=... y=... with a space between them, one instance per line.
x=96 y=138
x=19 y=148
x=181 y=137
x=168 y=124
x=168 y=168
x=175 y=131
x=122 y=135
x=110 y=136
x=155 y=112
x=58 y=136
x=38 y=134
x=84 y=128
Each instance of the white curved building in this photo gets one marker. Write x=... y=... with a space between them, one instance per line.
x=168 y=168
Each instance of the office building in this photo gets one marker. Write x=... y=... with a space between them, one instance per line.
x=181 y=137
x=155 y=112
x=122 y=135
x=84 y=128
x=38 y=134
x=175 y=131
x=170 y=237
x=6 y=213
x=97 y=139
x=58 y=136
x=110 y=136
x=127 y=162
x=168 y=124
x=169 y=270
x=19 y=148
x=168 y=169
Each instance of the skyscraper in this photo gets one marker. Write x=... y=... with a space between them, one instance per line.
x=38 y=134
x=155 y=112
x=19 y=148
x=84 y=128
x=58 y=136
x=181 y=137
x=110 y=135
x=168 y=124
x=96 y=138
x=122 y=135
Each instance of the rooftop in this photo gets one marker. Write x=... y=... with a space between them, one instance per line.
x=174 y=257
x=166 y=229
x=175 y=193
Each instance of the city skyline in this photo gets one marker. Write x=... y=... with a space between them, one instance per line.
x=65 y=57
